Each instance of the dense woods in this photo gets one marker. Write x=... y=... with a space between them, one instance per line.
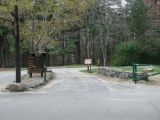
x=114 y=32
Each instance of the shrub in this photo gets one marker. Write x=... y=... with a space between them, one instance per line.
x=126 y=54
x=150 y=52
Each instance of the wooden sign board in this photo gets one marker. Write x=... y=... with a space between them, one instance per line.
x=88 y=61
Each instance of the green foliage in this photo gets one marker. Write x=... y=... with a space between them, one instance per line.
x=4 y=30
x=71 y=46
x=132 y=52
x=150 y=51
x=11 y=42
x=8 y=38
x=138 y=20
x=126 y=54
x=58 y=50
x=24 y=47
x=54 y=50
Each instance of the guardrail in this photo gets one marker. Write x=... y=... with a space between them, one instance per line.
x=142 y=76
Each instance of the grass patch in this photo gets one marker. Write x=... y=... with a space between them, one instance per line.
x=139 y=68
x=77 y=66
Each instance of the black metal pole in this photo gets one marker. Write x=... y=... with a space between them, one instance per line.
x=18 y=69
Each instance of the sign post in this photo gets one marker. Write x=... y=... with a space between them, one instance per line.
x=88 y=62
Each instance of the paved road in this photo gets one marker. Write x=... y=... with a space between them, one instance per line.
x=78 y=96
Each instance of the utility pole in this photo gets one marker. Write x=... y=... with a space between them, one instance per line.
x=16 y=20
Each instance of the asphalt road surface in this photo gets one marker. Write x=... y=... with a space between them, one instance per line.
x=78 y=96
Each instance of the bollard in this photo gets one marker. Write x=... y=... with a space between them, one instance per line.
x=45 y=70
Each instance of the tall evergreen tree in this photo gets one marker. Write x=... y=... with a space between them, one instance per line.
x=138 y=19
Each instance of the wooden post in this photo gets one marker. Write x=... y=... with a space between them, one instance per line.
x=18 y=63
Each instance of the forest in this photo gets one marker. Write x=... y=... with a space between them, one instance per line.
x=114 y=32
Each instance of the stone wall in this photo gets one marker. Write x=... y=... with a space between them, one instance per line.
x=114 y=73
x=111 y=72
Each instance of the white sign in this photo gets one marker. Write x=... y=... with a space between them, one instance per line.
x=88 y=61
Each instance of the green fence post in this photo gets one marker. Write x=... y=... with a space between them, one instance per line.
x=134 y=73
